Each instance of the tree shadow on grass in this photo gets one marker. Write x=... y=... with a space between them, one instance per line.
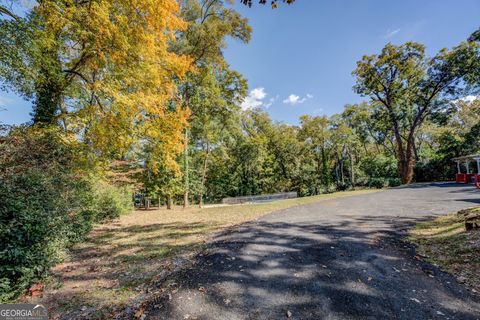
x=347 y=270
x=115 y=264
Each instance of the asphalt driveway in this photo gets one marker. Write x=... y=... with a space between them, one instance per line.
x=335 y=259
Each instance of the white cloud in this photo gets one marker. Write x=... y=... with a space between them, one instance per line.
x=270 y=102
x=293 y=99
x=4 y=101
x=254 y=99
x=469 y=98
x=390 y=33
x=466 y=99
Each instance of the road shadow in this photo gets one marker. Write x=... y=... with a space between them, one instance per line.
x=460 y=187
x=350 y=269
x=476 y=201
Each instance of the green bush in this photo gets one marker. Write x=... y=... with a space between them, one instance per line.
x=381 y=182
x=378 y=183
x=45 y=205
x=379 y=166
x=40 y=217
x=380 y=171
x=394 y=182
x=111 y=202
x=342 y=186
x=49 y=202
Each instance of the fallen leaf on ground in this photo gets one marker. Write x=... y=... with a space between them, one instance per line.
x=37 y=289
x=139 y=314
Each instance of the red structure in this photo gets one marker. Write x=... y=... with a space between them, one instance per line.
x=468 y=177
x=461 y=178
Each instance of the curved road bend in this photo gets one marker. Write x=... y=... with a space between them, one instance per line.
x=335 y=259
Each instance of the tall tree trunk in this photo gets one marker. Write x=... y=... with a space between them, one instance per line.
x=406 y=162
x=366 y=150
x=352 y=169
x=49 y=89
x=169 y=201
x=185 y=159
x=63 y=114
x=415 y=151
x=342 y=176
x=185 y=200
x=204 y=175
x=337 y=171
x=48 y=98
x=410 y=161
x=319 y=172
x=325 y=172
x=401 y=155
x=400 y=152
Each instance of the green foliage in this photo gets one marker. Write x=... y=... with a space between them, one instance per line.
x=212 y=93
x=44 y=200
x=16 y=52
x=377 y=166
x=273 y=3
x=394 y=182
x=48 y=203
x=454 y=134
x=409 y=86
x=378 y=183
x=475 y=36
x=110 y=201
x=382 y=182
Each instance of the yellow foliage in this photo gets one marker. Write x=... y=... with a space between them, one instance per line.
x=117 y=60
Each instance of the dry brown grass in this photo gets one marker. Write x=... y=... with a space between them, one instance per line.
x=444 y=241
x=121 y=257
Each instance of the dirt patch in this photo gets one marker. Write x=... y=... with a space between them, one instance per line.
x=445 y=242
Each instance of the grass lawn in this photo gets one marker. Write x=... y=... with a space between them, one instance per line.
x=444 y=241
x=120 y=258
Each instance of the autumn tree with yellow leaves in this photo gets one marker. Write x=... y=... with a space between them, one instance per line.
x=102 y=69
x=102 y=79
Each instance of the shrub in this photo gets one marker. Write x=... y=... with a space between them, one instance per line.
x=394 y=182
x=377 y=183
x=342 y=186
x=45 y=207
x=111 y=202
x=362 y=182
x=49 y=202
x=379 y=166
x=381 y=182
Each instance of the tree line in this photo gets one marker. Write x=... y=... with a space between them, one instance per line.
x=355 y=148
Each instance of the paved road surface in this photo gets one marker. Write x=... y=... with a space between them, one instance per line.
x=335 y=259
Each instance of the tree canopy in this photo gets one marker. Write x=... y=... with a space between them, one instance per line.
x=411 y=86
x=273 y=3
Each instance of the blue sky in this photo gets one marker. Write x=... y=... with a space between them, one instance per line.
x=301 y=56
x=311 y=47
